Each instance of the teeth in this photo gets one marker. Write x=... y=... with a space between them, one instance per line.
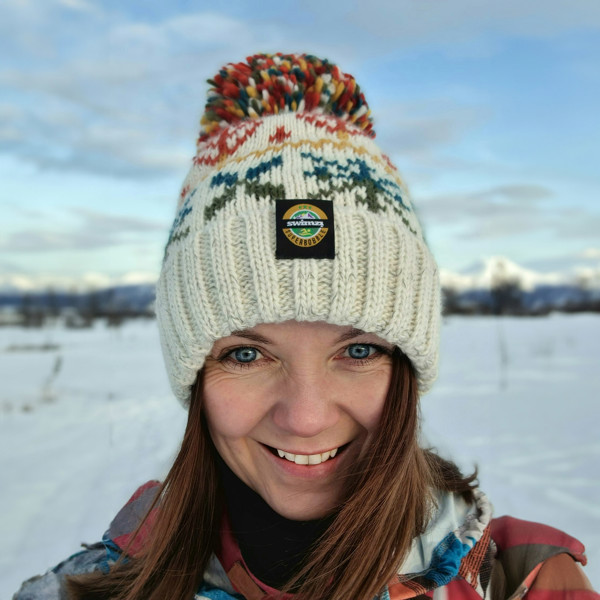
x=307 y=459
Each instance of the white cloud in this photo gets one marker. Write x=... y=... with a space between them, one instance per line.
x=125 y=100
x=417 y=132
x=508 y=211
x=30 y=240
x=94 y=229
x=513 y=201
x=101 y=92
x=109 y=223
x=591 y=253
x=578 y=223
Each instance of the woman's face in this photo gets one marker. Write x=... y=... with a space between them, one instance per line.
x=291 y=406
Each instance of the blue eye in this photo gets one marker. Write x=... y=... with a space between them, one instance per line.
x=245 y=355
x=360 y=351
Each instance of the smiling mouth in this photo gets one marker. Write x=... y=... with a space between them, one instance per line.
x=307 y=459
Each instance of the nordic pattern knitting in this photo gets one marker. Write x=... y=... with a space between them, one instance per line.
x=334 y=166
x=268 y=84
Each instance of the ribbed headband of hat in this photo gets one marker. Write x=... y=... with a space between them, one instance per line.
x=291 y=211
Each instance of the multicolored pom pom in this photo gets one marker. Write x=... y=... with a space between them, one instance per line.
x=273 y=83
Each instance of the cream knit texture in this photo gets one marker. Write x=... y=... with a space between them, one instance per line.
x=220 y=273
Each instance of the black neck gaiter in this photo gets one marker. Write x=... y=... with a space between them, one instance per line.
x=274 y=548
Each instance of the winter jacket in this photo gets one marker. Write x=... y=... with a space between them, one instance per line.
x=463 y=555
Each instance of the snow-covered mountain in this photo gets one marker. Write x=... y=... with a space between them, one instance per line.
x=23 y=284
x=497 y=284
x=497 y=270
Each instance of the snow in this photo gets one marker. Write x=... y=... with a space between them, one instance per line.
x=518 y=397
x=87 y=415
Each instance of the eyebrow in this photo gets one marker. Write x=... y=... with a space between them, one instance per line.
x=255 y=337
x=250 y=335
x=352 y=333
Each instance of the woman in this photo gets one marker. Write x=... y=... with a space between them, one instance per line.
x=298 y=307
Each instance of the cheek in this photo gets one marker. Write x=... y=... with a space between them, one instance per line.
x=366 y=398
x=231 y=408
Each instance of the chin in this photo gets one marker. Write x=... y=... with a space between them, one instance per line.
x=300 y=509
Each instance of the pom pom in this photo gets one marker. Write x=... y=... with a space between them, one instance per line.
x=272 y=83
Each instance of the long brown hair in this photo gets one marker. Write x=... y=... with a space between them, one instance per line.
x=388 y=503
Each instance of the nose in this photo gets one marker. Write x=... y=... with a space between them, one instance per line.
x=306 y=406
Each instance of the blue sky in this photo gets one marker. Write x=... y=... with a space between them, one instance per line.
x=489 y=110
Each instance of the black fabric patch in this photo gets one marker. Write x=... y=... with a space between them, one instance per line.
x=304 y=229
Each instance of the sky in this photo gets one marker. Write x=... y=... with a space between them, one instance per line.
x=489 y=110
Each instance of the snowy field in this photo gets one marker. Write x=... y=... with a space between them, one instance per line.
x=85 y=416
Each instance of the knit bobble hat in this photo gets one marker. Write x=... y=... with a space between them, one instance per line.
x=291 y=211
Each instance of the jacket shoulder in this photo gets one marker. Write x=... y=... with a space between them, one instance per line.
x=560 y=576
x=512 y=534
x=123 y=527
x=96 y=557
x=51 y=585
x=537 y=561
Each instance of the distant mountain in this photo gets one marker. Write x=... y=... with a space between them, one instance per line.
x=120 y=298
x=499 y=285
x=497 y=270
x=17 y=283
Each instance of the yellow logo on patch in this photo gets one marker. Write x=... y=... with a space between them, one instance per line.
x=305 y=225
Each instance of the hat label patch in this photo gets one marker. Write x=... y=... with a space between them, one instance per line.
x=304 y=229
